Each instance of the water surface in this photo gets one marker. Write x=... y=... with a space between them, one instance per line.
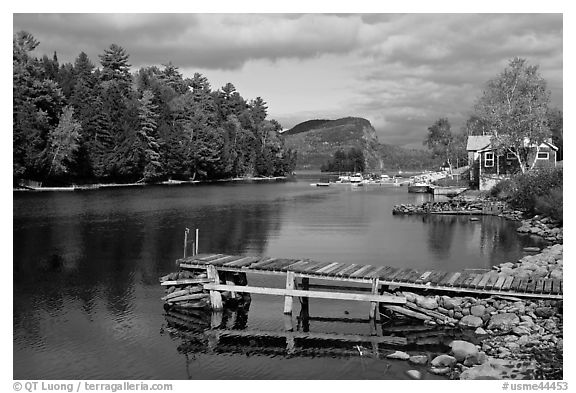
x=86 y=267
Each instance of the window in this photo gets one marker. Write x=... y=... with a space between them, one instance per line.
x=510 y=156
x=489 y=160
x=543 y=155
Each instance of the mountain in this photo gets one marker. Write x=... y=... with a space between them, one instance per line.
x=316 y=141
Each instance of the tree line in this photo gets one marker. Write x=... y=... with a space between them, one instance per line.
x=514 y=109
x=76 y=123
x=345 y=161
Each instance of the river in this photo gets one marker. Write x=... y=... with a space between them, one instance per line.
x=86 y=267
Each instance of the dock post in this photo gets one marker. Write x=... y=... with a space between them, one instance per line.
x=215 y=296
x=230 y=281
x=374 y=305
x=305 y=286
x=196 y=243
x=288 y=299
x=186 y=241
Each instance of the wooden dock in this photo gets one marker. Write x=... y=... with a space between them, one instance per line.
x=378 y=277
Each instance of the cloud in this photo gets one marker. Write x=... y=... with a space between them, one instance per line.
x=400 y=71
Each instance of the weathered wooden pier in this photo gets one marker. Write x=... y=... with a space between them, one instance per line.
x=220 y=270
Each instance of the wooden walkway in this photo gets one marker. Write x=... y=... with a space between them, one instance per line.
x=432 y=280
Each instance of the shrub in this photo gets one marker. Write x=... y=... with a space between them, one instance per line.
x=551 y=204
x=525 y=191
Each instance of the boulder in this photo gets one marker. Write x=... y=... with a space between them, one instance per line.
x=556 y=274
x=505 y=321
x=478 y=310
x=544 y=312
x=450 y=303
x=521 y=330
x=470 y=321
x=443 y=361
x=427 y=303
x=414 y=374
x=463 y=349
x=480 y=331
x=491 y=369
x=418 y=359
x=439 y=370
x=398 y=355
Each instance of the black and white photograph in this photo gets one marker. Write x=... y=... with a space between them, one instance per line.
x=287 y=196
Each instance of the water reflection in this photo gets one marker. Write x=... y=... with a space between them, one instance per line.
x=86 y=267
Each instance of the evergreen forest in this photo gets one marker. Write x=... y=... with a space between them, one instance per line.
x=79 y=123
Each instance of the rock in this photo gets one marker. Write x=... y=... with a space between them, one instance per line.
x=491 y=369
x=529 y=266
x=414 y=374
x=466 y=311
x=458 y=315
x=544 y=312
x=521 y=330
x=523 y=340
x=443 y=310
x=471 y=321
x=463 y=349
x=505 y=321
x=418 y=359
x=480 y=331
x=522 y=273
x=443 y=361
x=427 y=303
x=450 y=303
x=478 y=310
x=440 y=370
x=560 y=345
x=556 y=274
x=410 y=297
x=398 y=355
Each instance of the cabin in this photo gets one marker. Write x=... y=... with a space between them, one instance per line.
x=488 y=168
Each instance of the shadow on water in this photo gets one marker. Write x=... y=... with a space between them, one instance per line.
x=202 y=332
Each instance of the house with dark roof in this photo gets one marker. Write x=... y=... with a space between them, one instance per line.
x=488 y=168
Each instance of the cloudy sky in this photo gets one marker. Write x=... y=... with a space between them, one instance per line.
x=400 y=71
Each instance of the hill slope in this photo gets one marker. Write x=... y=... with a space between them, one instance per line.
x=317 y=140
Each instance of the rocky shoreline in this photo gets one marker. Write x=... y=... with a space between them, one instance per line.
x=513 y=338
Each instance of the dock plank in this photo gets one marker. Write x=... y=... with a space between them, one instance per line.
x=389 y=274
x=483 y=281
x=330 y=272
x=327 y=268
x=539 y=286
x=242 y=262
x=556 y=287
x=436 y=277
x=414 y=276
x=515 y=283
x=262 y=262
x=294 y=265
x=474 y=283
x=397 y=277
x=209 y=258
x=547 y=286
x=279 y=264
x=461 y=278
x=361 y=268
x=507 y=283
x=446 y=280
x=499 y=283
x=351 y=272
x=221 y=261
x=491 y=281
x=377 y=272
x=347 y=270
x=424 y=276
x=362 y=272
x=314 y=269
x=342 y=267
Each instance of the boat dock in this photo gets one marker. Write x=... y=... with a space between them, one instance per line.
x=220 y=268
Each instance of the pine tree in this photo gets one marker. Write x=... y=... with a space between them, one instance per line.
x=148 y=136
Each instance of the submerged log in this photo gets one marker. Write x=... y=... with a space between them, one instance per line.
x=409 y=313
x=182 y=292
x=195 y=296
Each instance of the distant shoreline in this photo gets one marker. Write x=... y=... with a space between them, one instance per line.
x=88 y=187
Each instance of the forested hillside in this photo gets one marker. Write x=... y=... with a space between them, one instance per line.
x=77 y=123
x=318 y=140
